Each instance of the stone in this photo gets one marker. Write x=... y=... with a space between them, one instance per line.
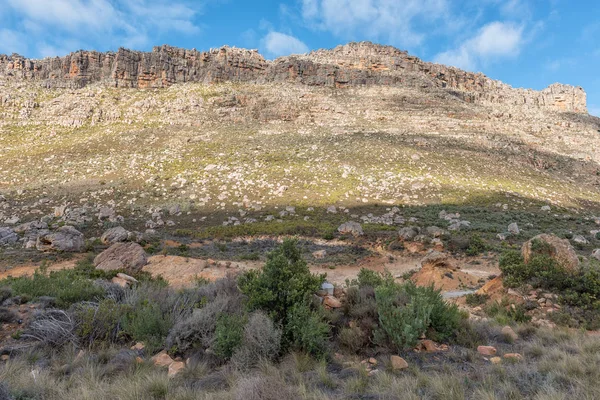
x=429 y=345
x=351 y=227
x=65 y=238
x=560 y=250
x=596 y=254
x=398 y=363
x=545 y=208
x=580 y=239
x=408 y=233
x=130 y=257
x=319 y=254
x=513 y=356
x=175 y=368
x=162 y=359
x=509 y=332
x=495 y=360
x=513 y=229
x=372 y=361
x=486 y=350
x=332 y=302
x=8 y=236
x=139 y=346
x=328 y=288
x=115 y=235
x=435 y=231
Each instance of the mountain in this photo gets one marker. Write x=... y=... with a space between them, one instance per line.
x=355 y=64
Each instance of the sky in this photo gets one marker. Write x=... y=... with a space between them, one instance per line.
x=525 y=43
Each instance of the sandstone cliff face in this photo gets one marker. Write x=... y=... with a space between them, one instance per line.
x=350 y=65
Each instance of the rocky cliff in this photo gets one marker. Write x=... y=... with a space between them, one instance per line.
x=349 y=65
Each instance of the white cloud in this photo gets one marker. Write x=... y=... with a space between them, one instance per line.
x=392 y=21
x=494 y=41
x=99 y=24
x=279 y=44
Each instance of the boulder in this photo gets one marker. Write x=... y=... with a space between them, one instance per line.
x=513 y=229
x=596 y=254
x=332 y=302
x=398 y=363
x=115 y=235
x=408 y=233
x=130 y=257
x=65 y=238
x=509 y=332
x=175 y=367
x=559 y=249
x=7 y=236
x=162 y=359
x=351 y=227
x=487 y=350
x=496 y=360
x=435 y=231
x=513 y=356
x=580 y=239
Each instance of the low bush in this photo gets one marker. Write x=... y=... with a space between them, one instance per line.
x=229 y=333
x=475 y=299
x=306 y=330
x=54 y=328
x=99 y=323
x=476 y=245
x=261 y=341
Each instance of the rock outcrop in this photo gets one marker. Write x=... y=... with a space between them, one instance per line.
x=130 y=257
x=354 y=64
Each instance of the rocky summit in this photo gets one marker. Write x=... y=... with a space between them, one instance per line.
x=348 y=223
x=355 y=64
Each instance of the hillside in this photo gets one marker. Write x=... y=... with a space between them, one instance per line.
x=146 y=199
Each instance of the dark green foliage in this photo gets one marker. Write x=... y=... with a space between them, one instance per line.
x=307 y=331
x=284 y=282
x=354 y=339
x=475 y=299
x=5 y=293
x=541 y=271
x=229 y=334
x=505 y=313
x=403 y=316
x=147 y=323
x=476 y=245
x=444 y=317
x=99 y=323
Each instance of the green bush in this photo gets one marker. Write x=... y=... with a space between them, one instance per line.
x=307 y=331
x=476 y=245
x=353 y=338
x=147 y=323
x=474 y=299
x=284 y=282
x=541 y=271
x=229 y=333
x=99 y=323
x=506 y=313
x=402 y=317
x=444 y=318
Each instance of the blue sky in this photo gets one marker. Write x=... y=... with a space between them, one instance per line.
x=526 y=43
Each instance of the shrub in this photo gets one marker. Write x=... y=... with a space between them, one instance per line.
x=67 y=286
x=51 y=327
x=5 y=293
x=306 y=330
x=353 y=338
x=229 y=333
x=98 y=323
x=444 y=318
x=506 y=313
x=475 y=299
x=7 y=315
x=476 y=245
x=284 y=282
x=147 y=323
x=196 y=326
x=261 y=341
x=402 y=317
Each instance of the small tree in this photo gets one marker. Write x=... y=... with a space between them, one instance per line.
x=284 y=282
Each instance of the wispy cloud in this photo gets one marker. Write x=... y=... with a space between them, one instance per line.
x=48 y=24
x=402 y=23
x=279 y=44
x=494 y=41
